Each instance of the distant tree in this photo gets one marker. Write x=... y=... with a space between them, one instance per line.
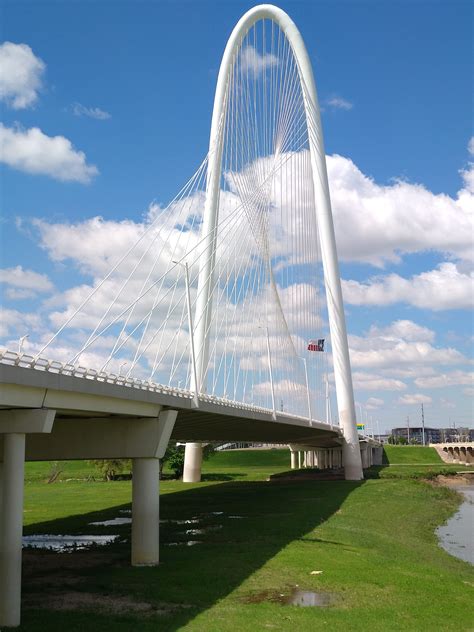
x=402 y=441
x=110 y=468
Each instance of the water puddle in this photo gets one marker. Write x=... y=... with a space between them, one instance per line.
x=456 y=536
x=174 y=521
x=184 y=543
x=307 y=598
x=296 y=597
x=201 y=531
x=236 y=517
x=67 y=543
x=111 y=523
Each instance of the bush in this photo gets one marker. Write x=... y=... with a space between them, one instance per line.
x=111 y=468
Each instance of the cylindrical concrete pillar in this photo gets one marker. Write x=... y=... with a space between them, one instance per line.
x=294 y=457
x=192 y=463
x=11 y=528
x=299 y=459
x=145 y=512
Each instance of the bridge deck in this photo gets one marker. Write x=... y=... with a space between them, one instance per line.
x=81 y=398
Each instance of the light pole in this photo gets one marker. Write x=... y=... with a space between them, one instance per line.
x=20 y=343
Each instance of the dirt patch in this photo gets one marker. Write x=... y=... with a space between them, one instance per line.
x=453 y=481
x=82 y=601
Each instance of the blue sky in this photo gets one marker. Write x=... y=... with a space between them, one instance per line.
x=131 y=85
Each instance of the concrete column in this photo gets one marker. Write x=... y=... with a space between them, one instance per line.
x=145 y=512
x=11 y=527
x=192 y=463
x=470 y=456
x=456 y=455
x=294 y=458
x=463 y=455
x=299 y=459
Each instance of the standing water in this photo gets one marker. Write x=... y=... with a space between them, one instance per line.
x=457 y=535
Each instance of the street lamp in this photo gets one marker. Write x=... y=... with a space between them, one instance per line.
x=121 y=367
x=20 y=343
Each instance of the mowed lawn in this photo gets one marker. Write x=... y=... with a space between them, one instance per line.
x=372 y=544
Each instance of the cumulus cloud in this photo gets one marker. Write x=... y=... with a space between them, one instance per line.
x=442 y=380
x=416 y=398
x=379 y=223
x=20 y=75
x=373 y=403
x=446 y=287
x=14 y=322
x=338 y=103
x=373 y=382
x=251 y=60
x=25 y=281
x=96 y=113
x=34 y=152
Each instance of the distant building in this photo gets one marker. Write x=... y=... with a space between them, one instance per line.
x=415 y=434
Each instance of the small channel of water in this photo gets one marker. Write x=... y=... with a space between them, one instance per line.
x=457 y=535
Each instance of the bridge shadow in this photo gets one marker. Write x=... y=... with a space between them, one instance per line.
x=239 y=527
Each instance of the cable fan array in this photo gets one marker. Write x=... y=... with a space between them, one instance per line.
x=264 y=271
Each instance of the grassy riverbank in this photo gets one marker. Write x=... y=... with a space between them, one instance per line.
x=373 y=541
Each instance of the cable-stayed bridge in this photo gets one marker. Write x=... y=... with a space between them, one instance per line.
x=200 y=328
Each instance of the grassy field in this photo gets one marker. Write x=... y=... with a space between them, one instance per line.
x=410 y=454
x=373 y=541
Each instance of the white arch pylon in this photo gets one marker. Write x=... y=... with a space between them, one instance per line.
x=337 y=323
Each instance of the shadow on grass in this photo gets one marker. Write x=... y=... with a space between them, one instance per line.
x=192 y=578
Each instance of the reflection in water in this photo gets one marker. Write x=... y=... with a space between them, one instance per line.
x=457 y=535
x=184 y=543
x=110 y=523
x=307 y=598
x=67 y=543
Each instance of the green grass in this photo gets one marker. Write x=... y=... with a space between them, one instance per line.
x=410 y=454
x=374 y=542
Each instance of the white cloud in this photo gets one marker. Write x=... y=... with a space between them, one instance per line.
x=446 y=287
x=25 y=280
x=370 y=382
x=446 y=403
x=416 y=398
x=20 y=75
x=15 y=322
x=373 y=403
x=34 y=152
x=96 y=113
x=403 y=330
x=338 y=103
x=254 y=62
x=441 y=380
x=470 y=146
x=378 y=223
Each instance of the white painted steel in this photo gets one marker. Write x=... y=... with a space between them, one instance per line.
x=11 y=527
x=342 y=368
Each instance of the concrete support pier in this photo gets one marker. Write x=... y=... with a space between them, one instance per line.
x=145 y=512
x=11 y=528
x=192 y=463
